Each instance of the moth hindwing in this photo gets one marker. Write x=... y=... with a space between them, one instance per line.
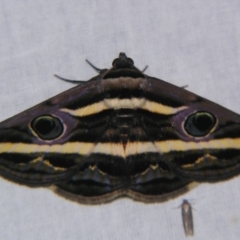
x=122 y=133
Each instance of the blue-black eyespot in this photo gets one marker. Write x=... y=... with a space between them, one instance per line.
x=47 y=127
x=200 y=124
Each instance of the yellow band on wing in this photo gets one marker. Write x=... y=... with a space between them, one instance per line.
x=116 y=103
x=117 y=149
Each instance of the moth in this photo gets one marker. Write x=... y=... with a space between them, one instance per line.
x=187 y=218
x=122 y=133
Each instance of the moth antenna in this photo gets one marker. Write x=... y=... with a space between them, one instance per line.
x=94 y=67
x=69 y=80
x=146 y=67
x=185 y=86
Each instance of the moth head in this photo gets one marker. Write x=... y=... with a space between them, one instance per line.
x=123 y=67
x=47 y=127
x=122 y=61
x=200 y=123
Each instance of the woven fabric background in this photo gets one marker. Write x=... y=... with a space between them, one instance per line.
x=189 y=42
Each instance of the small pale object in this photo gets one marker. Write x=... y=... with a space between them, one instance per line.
x=187 y=218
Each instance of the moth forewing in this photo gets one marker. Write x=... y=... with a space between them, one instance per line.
x=187 y=218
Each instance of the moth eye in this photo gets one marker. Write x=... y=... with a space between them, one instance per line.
x=47 y=127
x=200 y=124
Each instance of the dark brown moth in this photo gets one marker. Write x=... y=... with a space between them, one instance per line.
x=122 y=133
x=187 y=218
